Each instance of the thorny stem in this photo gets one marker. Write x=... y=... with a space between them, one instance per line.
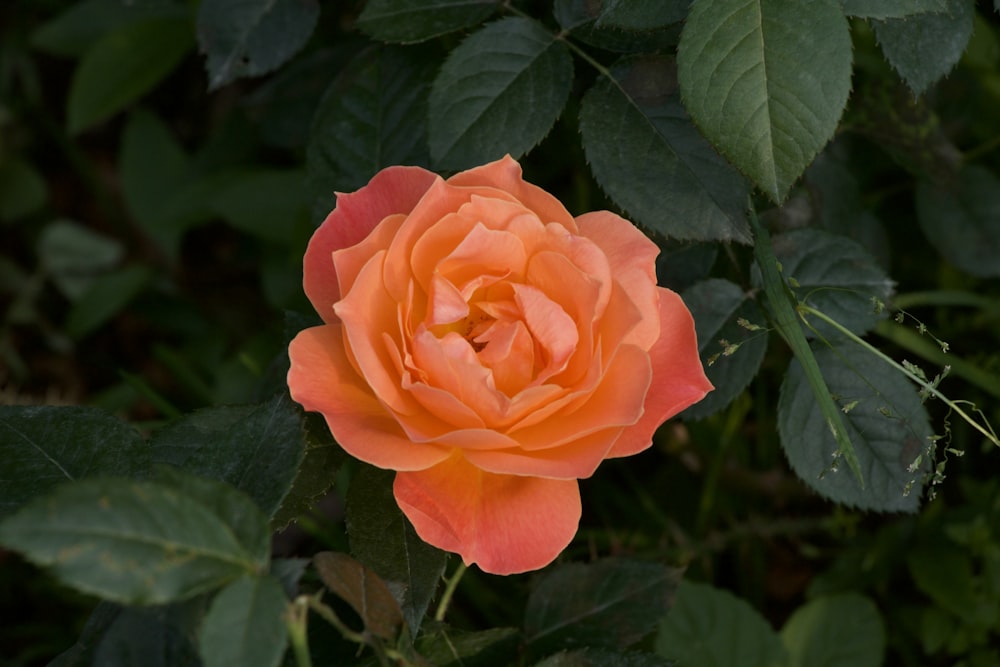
x=987 y=431
x=449 y=591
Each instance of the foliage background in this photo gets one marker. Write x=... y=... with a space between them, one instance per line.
x=162 y=165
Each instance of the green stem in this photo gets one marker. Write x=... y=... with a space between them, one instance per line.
x=295 y=618
x=783 y=305
x=449 y=591
x=926 y=386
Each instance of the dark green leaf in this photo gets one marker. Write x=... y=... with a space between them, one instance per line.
x=245 y=625
x=75 y=30
x=835 y=275
x=243 y=38
x=384 y=540
x=416 y=21
x=595 y=657
x=680 y=265
x=962 y=220
x=944 y=572
x=43 y=446
x=640 y=15
x=923 y=48
x=612 y=603
x=361 y=588
x=124 y=65
x=709 y=627
x=373 y=116
x=885 y=419
x=323 y=457
x=74 y=256
x=837 y=631
x=81 y=654
x=447 y=647
x=748 y=87
x=256 y=448
x=892 y=9
x=644 y=150
x=717 y=305
x=22 y=189
x=104 y=298
x=135 y=542
x=149 y=636
x=271 y=205
x=579 y=18
x=288 y=572
x=499 y=92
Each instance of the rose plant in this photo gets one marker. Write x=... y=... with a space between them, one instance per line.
x=490 y=348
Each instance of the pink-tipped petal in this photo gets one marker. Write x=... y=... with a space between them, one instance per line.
x=505 y=524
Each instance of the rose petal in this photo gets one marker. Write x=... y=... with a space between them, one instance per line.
x=321 y=379
x=392 y=190
x=503 y=523
x=679 y=379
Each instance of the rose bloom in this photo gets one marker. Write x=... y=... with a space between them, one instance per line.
x=491 y=349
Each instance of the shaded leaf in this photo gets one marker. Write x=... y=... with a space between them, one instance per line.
x=885 y=419
x=500 y=91
x=597 y=657
x=680 y=265
x=22 y=189
x=716 y=306
x=579 y=17
x=962 y=221
x=104 y=298
x=409 y=21
x=81 y=654
x=644 y=150
x=272 y=205
x=74 y=256
x=123 y=66
x=443 y=646
x=372 y=116
x=641 y=14
x=746 y=85
x=42 y=446
x=361 y=588
x=835 y=275
x=134 y=542
x=150 y=637
x=256 y=448
x=75 y=30
x=245 y=625
x=891 y=9
x=315 y=476
x=710 y=627
x=244 y=38
x=944 y=572
x=923 y=48
x=610 y=603
x=837 y=631
x=384 y=540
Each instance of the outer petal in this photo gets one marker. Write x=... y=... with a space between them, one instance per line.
x=678 y=376
x=503 y=523
x=392 y=190
x=321 y=379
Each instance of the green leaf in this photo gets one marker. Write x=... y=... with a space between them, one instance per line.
x=716 y=306
x=644 y=150
x=104 y=298
x=272 y=205
x=835 y=275
x=159 y=636
x=22 y=189
x=579 y=18
x=892 y=9
x=709 y=627
x=75 y=30
x=962 y=220
x=500 y=91
x=42 y=446
x=74 y=256
x=837 y=631
x=244 y=38
x=923 y=48
x=744 y=80
x=256 y=448
x=316 y=473
x=443 y=646
x=384 y=540
x=640 y=15
x=245 y=625
x=680 y=265
x=135 y=542
x=944 y=572
x=885 y=420
x=361 y=588
x=611 y=603
x=374 y=115
x=123 y=66
x=598 y=657
x=409 y=21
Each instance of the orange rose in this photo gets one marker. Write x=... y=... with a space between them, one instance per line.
x=491 y=349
